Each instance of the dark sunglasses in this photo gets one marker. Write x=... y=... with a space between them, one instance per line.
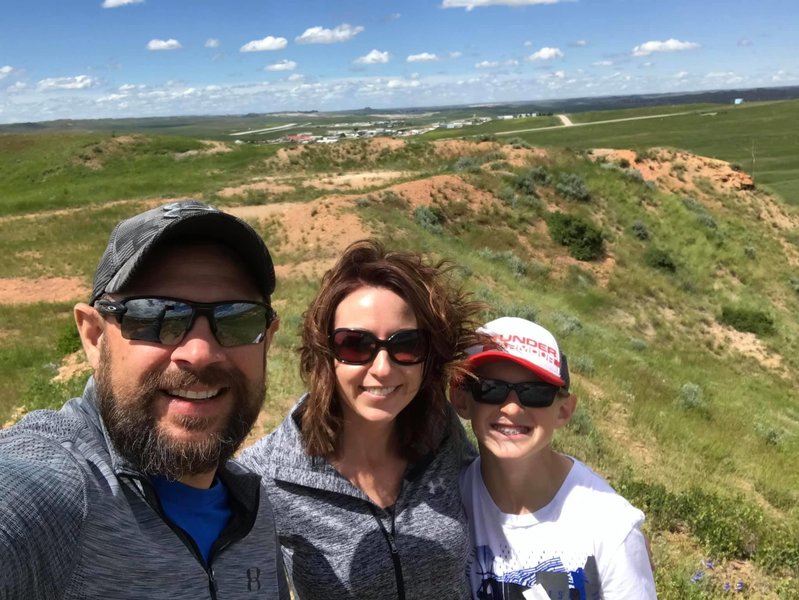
x=531 y=394
x=358 y=347
x=166 y=320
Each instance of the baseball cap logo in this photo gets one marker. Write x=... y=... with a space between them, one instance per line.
x=527 y=346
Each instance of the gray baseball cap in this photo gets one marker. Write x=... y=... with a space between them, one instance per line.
x=134 y=239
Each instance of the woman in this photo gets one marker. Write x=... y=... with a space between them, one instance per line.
x=363 y=474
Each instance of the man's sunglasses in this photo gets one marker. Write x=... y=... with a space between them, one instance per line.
x=359 y=347
x=166 y=320
x=531 y=394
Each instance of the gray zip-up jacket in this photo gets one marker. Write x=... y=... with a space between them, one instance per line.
x=76 y=521
x=338 y=544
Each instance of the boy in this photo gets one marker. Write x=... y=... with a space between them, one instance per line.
x=543 y=524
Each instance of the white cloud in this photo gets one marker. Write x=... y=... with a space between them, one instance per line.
x=681 y=75
x=580 y=44
x=400 y=83
x=470 y=4
x=129 y=87
x=212 y=43
x=487 y=64
x=374 y=57
x=116 y=3
x=266 y=44
x=163 y=45
x=546 y=54
x=296 y=77
x=724 y=77
x=455 y=54
x=603 y=63
x=18 y=87
x=670 y=45
x=528 y=44
x=782 y=76
x=394 y=16
x=744 y=42
x=283 y=65
x=79 y=82
x=320 y=35
x=6 y=71
x=422 y=57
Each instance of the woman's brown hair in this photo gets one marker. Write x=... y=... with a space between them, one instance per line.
x=442 y=309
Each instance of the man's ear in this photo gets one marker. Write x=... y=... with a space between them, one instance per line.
x=90 y=325
x=461 y=401
x=273 y=328
x=566 y=407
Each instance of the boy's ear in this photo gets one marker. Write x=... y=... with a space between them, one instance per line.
x=90 y=325
x=460 y=400
x=566 y=407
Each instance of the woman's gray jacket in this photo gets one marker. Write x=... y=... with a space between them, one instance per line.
x=338 y=544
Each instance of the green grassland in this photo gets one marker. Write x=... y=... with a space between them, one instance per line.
x=700 y=435
x=726 y=132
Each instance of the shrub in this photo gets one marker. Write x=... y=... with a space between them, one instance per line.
x=517 y=266
x=429 y=218
x=519 y=143
x=583 y=239
x=659 y=259
x=525 y=184
x=691 y=398
x=581 y=422
x=747 y=319
x=540 y=175
x=640 y=231
x=566 y=324
x=584 y=365
x=469 y=164
x=507 y=196
x=572 y=187
x=624 y=163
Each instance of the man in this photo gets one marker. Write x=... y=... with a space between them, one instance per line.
x=128 y=491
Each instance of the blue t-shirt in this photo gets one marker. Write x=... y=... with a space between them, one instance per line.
x=203 y=514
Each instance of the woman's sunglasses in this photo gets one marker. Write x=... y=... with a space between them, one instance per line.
x=359 y=347
x=531 y=394
x=166 y=320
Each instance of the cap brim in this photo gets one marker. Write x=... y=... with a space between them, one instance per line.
x=495 y=355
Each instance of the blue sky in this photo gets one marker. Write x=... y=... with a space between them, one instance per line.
x=136 y=58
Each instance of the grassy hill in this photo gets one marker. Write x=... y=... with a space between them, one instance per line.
x=671 y=284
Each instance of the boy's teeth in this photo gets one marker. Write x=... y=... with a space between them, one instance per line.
x=510 y=430
x=192 y=395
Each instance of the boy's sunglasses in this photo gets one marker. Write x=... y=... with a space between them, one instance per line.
x=358 y=347
x=166 y=320
x=531 y=394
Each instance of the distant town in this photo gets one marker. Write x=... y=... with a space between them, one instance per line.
x=337 y=132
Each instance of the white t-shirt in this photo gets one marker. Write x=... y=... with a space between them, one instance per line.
x=588 y=539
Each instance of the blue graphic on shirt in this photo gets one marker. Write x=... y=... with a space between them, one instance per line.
x=550 y=576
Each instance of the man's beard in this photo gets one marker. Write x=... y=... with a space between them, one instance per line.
x=134 y=430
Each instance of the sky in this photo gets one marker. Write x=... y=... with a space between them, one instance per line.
x=141 y=58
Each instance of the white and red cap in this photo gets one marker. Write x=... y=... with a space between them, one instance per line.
x=525 y=343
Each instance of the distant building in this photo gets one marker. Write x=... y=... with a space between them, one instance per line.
x=738 y=101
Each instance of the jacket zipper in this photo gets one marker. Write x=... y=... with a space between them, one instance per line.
x=152 y=499
x=392 y=545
